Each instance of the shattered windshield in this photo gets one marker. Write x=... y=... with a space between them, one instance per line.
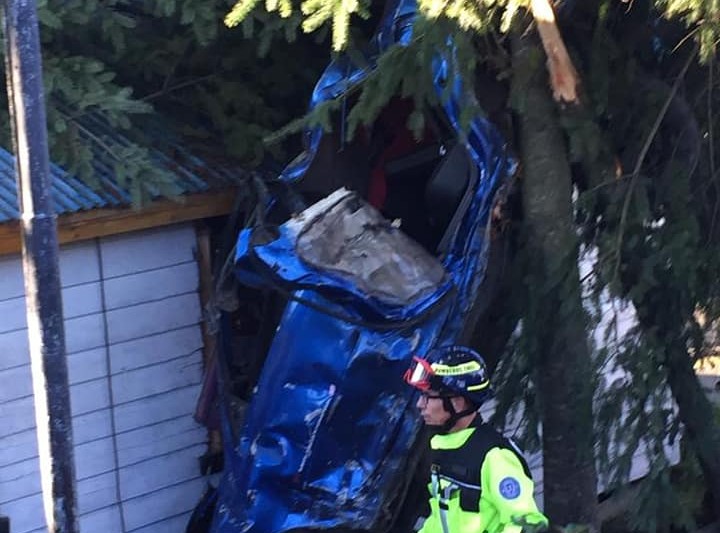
x=345 y=236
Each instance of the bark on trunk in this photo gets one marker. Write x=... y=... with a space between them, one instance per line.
x=555 y=316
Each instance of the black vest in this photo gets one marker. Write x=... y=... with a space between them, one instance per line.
x=463 y=465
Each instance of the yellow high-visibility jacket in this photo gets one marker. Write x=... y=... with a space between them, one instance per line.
x=479 y=484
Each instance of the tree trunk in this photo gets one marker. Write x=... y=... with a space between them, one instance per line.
x=694 y=407
x=554 y=318
x=673 y=295
x=696 y=413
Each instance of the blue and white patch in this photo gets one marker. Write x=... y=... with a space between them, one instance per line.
x=509 y=488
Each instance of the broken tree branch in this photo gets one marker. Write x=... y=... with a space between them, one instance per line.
x=564 y=78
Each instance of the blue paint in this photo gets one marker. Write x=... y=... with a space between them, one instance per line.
x=331 y=422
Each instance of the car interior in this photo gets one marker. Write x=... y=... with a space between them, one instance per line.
x=424 y=184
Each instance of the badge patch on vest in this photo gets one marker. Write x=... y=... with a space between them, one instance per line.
x=509 y=488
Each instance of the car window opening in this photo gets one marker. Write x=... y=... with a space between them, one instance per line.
x=421 y=183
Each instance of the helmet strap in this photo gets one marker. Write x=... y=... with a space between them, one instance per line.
x=454 y=415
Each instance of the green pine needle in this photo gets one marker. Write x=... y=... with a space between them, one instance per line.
x=239 y=12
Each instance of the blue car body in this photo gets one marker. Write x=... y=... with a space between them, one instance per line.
x=326 y=437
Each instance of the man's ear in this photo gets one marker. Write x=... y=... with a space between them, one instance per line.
x=460 y=404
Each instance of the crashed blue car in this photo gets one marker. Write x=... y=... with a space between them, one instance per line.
x=380 y=256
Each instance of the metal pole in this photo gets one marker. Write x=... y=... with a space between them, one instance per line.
x=40 y=264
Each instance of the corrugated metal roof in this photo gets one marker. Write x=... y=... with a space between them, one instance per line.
x=187 y=174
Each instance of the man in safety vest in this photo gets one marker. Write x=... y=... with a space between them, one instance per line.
x=479 y=481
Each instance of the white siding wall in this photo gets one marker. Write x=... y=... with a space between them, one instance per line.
x=132 y=315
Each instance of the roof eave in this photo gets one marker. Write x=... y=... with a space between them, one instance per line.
x=103 y=222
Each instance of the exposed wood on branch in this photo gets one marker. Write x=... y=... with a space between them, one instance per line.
x=564 y=79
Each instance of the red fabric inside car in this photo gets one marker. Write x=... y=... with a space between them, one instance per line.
x=393 y=123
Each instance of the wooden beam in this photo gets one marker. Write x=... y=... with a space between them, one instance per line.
x=209 y=385
x=205 y=273
x=103 y=222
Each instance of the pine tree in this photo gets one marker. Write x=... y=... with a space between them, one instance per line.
x=653 y=224
x=114 y=70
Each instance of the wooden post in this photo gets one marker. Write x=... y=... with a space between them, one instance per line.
x=204 y=258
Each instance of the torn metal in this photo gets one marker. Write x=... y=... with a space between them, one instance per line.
x=335 y=300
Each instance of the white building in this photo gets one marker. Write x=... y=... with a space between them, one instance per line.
x=134 y=340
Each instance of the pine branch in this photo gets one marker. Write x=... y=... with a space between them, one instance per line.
x=94 y=138
x=239 y=12
x=641 y=159
x=182 y=85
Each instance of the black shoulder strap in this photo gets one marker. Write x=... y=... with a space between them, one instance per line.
x=488 y=438
x=510 y=445
x=465 y=463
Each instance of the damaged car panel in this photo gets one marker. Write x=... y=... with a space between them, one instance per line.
x=344 y=249
x=367 y=278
